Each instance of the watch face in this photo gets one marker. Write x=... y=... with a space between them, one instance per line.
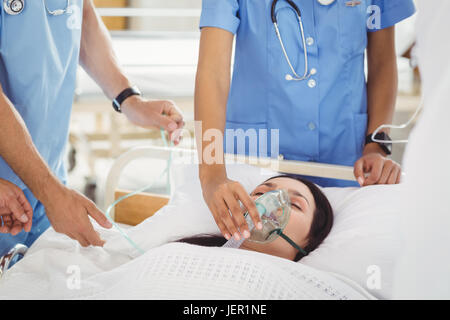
x=386 y=145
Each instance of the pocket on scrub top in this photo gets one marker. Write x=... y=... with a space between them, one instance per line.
x=360 y=126
x=247 y=138
x=352 y=26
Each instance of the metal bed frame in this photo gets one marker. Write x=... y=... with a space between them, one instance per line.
x=190 y=156
x=19 y=250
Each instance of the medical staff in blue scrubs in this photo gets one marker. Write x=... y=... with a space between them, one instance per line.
x=42 y=43
x=327 y=117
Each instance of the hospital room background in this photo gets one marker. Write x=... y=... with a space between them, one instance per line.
x=355 y=262
x=99 y=135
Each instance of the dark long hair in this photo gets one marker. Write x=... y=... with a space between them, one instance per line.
x=320 y=226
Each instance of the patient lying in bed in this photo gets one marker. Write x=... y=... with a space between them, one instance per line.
x=309 y=224
x=363 y=235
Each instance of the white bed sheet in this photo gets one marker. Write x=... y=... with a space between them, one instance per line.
x=176 y=271
x=363 y=236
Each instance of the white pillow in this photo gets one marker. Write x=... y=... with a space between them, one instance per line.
x=362 y=244
x=364 y=241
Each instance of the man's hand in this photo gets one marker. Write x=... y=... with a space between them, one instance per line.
x=69 y=211
x=15 y=210
x=98 y=59
x=155 y=114
x=381 y=169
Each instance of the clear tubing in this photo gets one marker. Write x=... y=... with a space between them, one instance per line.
x=402 y=126
x=235 y=244
x=166 y=171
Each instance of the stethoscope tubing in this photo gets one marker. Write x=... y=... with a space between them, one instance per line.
x=295 y=76
x=8 y=6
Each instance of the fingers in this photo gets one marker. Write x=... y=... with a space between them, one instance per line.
x=382 y=170
x=28 y=210
x=174 y=119
x=399 y=177
x=375 y=173
x=391 y=173
x=249 y=204
x=76 y=222
x=86 y=235
x=229 y=214
x=81 y=240
x=223 y=229
x=17 y=210
x=16 y=228
x=225 y=217
x=170 y=118
x=166 y=123
x=5 y=226
x=11 y=225
x=395 y=175
x=175 y=136
x=239 y=224
x=171 y=110
x=93 y=237
x=358 y=171
x=89 y=235
x=98 y=216
x=388 y=167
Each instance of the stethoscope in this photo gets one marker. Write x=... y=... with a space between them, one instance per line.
x=294 y=76
x=15 y=7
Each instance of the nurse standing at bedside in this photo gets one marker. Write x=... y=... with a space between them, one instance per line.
x=299 y=69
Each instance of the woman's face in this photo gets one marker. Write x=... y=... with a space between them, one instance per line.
x=302 y=213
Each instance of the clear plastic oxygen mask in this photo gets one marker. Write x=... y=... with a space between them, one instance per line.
x=274 y=208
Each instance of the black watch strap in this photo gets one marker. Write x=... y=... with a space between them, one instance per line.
x=128 y=92
x=382 y=136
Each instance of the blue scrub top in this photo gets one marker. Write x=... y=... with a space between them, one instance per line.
x=38 y=63
x=322 y=119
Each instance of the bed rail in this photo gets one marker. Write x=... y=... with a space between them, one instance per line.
x=190 y=156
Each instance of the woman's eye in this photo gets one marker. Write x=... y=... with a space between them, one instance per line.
x=296 y=206
x=258 y=194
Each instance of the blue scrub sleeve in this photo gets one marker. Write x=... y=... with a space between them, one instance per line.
x=394 y=11
x=220 y=14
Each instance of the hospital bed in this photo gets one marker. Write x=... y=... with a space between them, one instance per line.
x=356 y=261
x=134 y=210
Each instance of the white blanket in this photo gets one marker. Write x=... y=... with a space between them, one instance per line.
x=172 y=271
x=362 y=245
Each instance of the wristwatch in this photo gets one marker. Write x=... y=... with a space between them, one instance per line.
x=125 y=94
x=386 y=146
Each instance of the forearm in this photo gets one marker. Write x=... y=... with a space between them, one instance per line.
x=97 y=55
x=382 y=82
x=211 y=94
x=18 y=150
x=382 y=93
x=210 y=112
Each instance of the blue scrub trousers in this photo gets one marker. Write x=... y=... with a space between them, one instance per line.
x=40 y=224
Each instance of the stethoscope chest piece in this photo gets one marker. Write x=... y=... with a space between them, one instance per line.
x=326 y=2
x=13 y=7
